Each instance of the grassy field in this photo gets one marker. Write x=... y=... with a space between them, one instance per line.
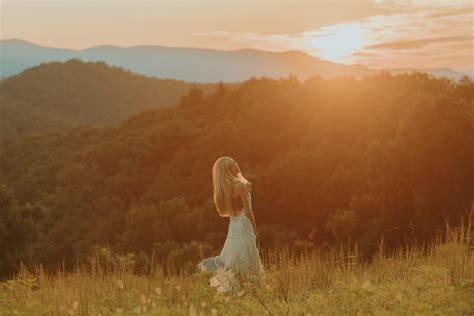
x=415 y=280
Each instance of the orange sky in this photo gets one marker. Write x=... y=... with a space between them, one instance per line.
x=375 y=33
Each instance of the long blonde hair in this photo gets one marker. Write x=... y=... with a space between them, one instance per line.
x=222 y=179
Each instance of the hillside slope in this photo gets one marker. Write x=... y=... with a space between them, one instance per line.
x=57 y=95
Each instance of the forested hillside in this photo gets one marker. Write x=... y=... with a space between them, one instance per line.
x=330 y=160
x=56 y=95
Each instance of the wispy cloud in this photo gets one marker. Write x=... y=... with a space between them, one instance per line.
x=419 y=43
x=426 y=3
x=382 y=41
x=272 y=42
x=406 y=40
x=448 y=12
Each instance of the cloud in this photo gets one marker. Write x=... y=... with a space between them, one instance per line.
x=419 y=43
x=272 y=42
x=388 y=40
x=363 y=54
x=450 y=12
x=426 y=3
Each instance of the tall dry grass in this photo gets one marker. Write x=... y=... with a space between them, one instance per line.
x=432 y=279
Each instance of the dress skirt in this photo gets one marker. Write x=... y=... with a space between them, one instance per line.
x=238 y=259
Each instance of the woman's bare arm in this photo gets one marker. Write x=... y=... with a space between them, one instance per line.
x=244 y=195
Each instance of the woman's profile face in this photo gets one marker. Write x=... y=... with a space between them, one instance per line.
x=234 y=167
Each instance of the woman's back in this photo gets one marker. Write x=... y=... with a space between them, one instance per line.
x=237 y=205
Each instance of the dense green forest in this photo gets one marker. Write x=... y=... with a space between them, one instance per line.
x=71 y=93
x=332 y=161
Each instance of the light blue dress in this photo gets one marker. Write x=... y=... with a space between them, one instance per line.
x=238 y=258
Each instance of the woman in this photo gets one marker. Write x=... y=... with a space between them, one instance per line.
x=239 y=258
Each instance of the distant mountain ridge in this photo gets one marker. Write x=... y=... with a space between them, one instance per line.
x=188 y=64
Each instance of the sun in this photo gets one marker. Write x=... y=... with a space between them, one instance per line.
x=337 y=43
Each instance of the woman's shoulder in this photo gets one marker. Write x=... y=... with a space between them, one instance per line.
x=243 y=186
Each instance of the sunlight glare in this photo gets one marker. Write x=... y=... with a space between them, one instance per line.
x=337 y=43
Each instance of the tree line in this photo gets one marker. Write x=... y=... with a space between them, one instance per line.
x=331 y=161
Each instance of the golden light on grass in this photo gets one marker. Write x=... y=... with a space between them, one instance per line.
x=317 y=282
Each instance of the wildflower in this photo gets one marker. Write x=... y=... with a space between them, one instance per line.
x=158 y=290
x=203 y=304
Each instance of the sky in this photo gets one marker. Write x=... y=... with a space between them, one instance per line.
x=375 y=33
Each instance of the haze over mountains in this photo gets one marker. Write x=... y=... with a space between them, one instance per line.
x=189 y=64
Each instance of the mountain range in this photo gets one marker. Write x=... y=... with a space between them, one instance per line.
x=191 y=64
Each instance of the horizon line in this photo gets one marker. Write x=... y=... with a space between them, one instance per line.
x=233 y=50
